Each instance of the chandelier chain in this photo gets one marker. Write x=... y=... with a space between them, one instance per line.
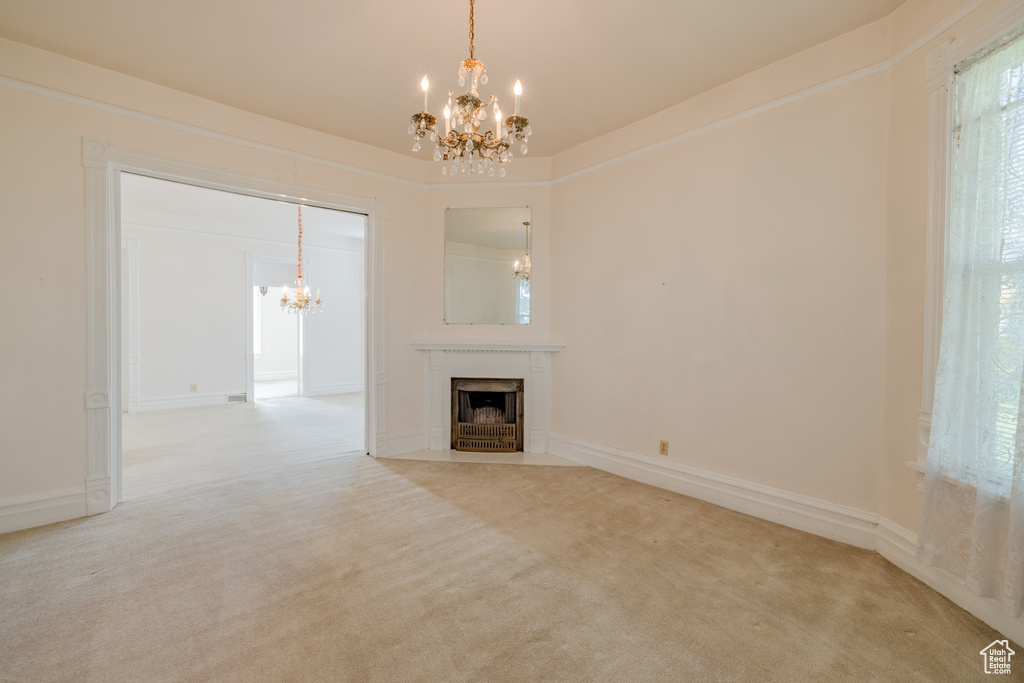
x=471 y=29
x=300 y=241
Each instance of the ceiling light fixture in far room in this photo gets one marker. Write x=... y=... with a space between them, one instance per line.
x=299 y=302
x=473 y=140
x=523 y=273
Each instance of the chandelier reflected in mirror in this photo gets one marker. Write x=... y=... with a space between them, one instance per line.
x=476 y=139
x=299 y=301
x=523 y=272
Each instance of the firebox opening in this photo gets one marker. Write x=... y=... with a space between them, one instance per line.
x=487 y=415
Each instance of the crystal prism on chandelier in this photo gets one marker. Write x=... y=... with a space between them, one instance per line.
x=474 y=140
x=299 y=301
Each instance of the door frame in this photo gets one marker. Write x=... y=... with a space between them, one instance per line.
x=104 y=164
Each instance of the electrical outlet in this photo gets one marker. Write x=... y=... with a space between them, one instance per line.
x=195 y=387
x=663 y=448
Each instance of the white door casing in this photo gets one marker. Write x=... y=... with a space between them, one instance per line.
x=103 y=401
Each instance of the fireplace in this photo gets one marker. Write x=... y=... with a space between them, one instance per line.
x=487 y=415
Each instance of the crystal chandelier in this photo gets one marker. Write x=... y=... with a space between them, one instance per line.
x=473 y=142
x=523 y=273
x=299 y=302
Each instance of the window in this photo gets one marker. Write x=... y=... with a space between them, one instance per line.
x=981 y=357
x=972 y=521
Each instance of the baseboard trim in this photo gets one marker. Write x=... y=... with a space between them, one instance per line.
x=407 y=442
x=331 y=389
x=25 y=512
x=182 y=401
x=272 y=376
x=899 y=546
x=819 y=517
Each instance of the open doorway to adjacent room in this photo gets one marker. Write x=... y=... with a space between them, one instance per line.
x=217 y=378
x=275 y=348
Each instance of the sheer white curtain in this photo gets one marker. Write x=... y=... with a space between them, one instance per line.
x=973 y=513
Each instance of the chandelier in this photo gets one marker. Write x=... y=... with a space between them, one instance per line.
x=299 y=302
x=473 y=141
x=523 y=273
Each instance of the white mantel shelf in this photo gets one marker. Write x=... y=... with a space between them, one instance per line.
x=524 y=359
x=525 y=345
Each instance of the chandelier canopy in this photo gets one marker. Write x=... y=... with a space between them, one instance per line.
x=299 y=301
x=473 y=141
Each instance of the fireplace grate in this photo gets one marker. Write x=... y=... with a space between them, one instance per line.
x=486 y=438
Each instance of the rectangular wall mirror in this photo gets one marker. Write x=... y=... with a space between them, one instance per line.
x=487 y=266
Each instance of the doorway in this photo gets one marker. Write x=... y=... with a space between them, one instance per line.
x=275 y=346
x=203 y=282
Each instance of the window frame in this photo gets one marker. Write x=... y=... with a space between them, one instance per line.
x=939 y=66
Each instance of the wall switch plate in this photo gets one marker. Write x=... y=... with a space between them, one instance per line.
x=663 y=448
x=195 y=387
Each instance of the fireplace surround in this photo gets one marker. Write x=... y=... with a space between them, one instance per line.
x=446 y=359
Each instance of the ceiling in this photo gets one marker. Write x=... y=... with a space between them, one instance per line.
x=149 y=194
x=499 y=228
x=352 y=67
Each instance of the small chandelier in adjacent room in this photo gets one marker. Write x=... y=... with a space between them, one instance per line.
x=299 y=301
x=473 y=141
x=523 y=272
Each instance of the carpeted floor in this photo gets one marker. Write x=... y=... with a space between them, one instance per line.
x=316 y=565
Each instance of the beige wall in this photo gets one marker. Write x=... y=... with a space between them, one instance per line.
x=749 y=288
x=726 y=294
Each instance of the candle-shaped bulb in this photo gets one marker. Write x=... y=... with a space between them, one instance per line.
x=519 y=94
x=425 y=84
x=447 y=120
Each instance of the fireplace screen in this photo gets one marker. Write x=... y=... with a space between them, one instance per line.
x=487 y=415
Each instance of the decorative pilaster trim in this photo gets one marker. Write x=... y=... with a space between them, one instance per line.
x=539 y=362
x=103 y=295
x=437 y=360
x=376 y=329
x=96 y=400
x=131 y=318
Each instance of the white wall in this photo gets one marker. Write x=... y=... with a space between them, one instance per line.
x=192 y=290
x=743 y=288
x=336 y=350
x=279 y=356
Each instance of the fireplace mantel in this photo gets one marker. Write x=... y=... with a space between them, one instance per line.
x=518 y=359
x=486 y=345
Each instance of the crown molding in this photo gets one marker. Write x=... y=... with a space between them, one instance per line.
x=806 y=93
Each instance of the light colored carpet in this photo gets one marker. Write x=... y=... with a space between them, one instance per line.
x=275 y=388
x=321 y=566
